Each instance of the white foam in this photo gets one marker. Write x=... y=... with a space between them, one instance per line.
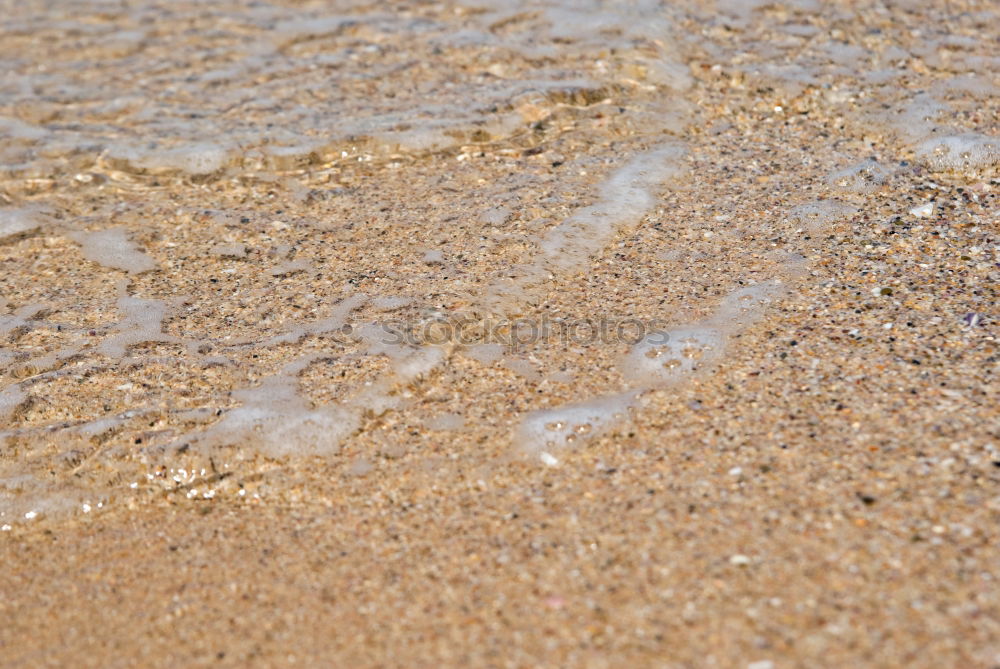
x=380 y=339
x=495 y=216
x=843 y=53
x=819 y=213
x=863 y=177
x=391 y=303
x=232 y=250
x=790 y=79
x=290 y=267
x=669 y=73
x=746 y=305
x=914 y=119
x=143 y=323
x=291 y=31
x=12 y=398
x=291 y=157
x=336 y=320
x=625 y=198
x=667 y=357
x=661 y=359
x=549 y=430
x=433 y=257
x=197 y=159
x=979 y=86
x=418 y=363
x=100 y=426
x=968 y=152
x=446 y=422
x=47 y=362
x=11 y=324
x=28 y=497
x=276 y=421
x=484 y=353
x=408 y=365
x=112 y=248
x=18 y=223
x=523 y=368
x=12 y=128
x=194 y=159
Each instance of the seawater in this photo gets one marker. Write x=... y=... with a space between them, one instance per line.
x=106 y=108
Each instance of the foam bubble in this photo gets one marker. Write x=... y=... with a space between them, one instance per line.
x=291 y=31
x=549 y=430
x=968 y=152
x=112 y=248
x=233 y=250
x=914 y=119
x=18 y=223
x=484 y=353
x=391 y=302
x=12 y=398
x=661 y=359
x=819 y=213
x=12 y=128
x=20 y=320
x=336 y=320
x=417 y=363
x=665 y=358
x=863 y=177
x=624 y=199
x=276 y=421
x=195 y=158
x=446 y=422
x=143 y=323
x=671 y=74
x=523 y=368
x=746 y=305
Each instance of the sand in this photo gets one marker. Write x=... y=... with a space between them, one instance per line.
x=273 y=384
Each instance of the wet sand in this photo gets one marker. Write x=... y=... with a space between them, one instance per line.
x=213 y=220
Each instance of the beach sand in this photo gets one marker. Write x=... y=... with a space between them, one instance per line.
x=327 y=334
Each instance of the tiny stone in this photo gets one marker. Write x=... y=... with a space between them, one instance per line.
x=548 y=459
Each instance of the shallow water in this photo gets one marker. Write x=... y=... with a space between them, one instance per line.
x=212 y=211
